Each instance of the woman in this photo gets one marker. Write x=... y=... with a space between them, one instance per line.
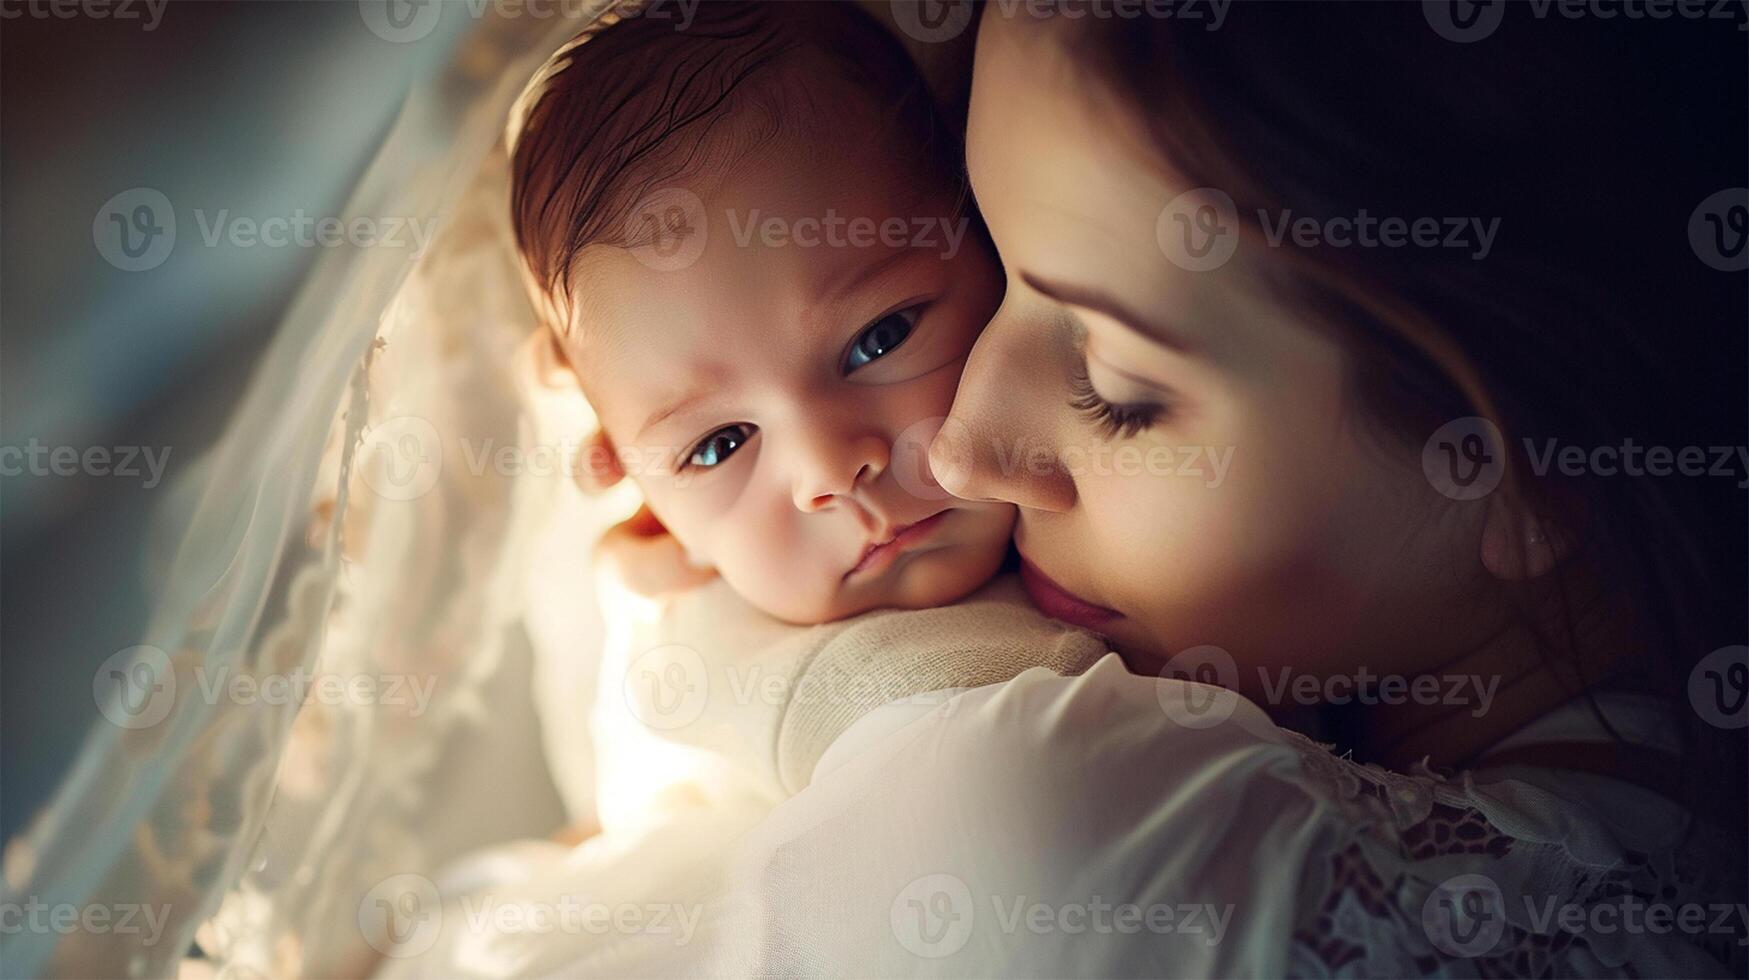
x=1330 y=529
x=1374 y=559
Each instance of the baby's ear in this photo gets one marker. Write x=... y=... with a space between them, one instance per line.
x=553 y=402
x=541 y=365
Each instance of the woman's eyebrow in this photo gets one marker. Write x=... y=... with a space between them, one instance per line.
x=1092 y=299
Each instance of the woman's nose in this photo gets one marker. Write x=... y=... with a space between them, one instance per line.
x=999 y=441
x=834 y=465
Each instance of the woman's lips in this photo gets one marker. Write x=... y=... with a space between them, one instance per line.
x=1059 y=603
x=878 y=557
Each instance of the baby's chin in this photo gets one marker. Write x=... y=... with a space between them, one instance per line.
x=921 y=580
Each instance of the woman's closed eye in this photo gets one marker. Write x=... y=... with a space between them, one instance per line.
x=714 y=449
x=1115 y=419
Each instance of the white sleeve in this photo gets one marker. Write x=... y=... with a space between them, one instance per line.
x=1051 y=826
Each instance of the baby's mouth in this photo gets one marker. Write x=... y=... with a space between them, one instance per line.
x=879 y=555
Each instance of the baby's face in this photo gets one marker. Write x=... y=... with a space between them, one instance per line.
x=773 y=366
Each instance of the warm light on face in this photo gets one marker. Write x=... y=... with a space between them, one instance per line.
x=777 y=351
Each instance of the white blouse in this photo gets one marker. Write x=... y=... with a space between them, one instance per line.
x=1115 y=825
x=1090 y=826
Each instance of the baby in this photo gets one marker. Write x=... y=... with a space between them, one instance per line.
x=750 y=242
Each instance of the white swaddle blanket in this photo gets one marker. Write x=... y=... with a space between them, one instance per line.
x=708 y=713
x=717 y=675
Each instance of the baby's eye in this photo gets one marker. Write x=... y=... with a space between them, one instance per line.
x=878 y=339
x=719 y=445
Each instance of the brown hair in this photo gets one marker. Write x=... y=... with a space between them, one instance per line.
x=1592 y=321
x=640 y=104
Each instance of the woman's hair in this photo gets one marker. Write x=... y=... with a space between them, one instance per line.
x=642 y=103
x=1591 y=321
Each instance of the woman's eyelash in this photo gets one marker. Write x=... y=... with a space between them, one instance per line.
x=1114 y=419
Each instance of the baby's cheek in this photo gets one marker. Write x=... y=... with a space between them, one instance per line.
x=762 y=553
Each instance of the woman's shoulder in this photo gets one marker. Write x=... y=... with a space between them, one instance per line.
x=1175 y=795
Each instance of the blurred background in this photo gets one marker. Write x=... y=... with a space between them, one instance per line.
x=138 y=343
x=233 y=112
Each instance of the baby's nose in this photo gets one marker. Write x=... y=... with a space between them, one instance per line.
x=834 y=468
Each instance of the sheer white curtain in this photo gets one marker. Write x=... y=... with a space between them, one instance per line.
x=358 y=519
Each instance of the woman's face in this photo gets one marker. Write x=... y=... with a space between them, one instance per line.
x=1189 y=468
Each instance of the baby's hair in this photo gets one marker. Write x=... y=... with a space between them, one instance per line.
x=640 y=105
